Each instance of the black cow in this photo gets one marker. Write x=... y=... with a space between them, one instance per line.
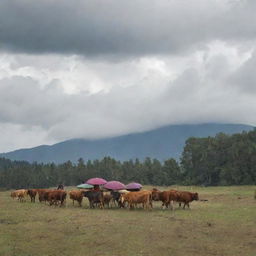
x=115 y=195
x=95 y=197
x=116 y=198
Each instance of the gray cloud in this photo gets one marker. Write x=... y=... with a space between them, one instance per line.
x=244 y=79
x=23 y=102
x=128 y=28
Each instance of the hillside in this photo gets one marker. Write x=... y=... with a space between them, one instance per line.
x=160 y=143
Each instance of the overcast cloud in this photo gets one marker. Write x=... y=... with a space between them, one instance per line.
x=94 y=69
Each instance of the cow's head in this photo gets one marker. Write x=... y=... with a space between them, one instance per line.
x=87 y=193
x=195 y=196
x=155 y=195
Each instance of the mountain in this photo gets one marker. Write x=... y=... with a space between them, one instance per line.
x=161 y=143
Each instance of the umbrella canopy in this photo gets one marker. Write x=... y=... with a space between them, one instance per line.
x=96 y=181
x=114 y=185
x=134 y=186
x=85 y=186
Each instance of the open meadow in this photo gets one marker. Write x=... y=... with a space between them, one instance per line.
x=225 y=225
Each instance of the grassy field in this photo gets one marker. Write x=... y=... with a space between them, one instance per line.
x=223 y=225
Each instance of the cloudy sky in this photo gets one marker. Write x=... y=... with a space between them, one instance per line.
x=94 y=69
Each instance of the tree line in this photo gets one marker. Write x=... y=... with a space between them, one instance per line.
x=220 y=160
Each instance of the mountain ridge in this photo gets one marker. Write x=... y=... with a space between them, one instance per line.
x=161 y=143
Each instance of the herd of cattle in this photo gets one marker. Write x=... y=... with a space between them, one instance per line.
x=108 y=199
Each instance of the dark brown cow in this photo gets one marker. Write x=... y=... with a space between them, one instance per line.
x=106 y=199
x=56 y=196
x=77 y=195
x=43 y=194
x=95 y=197
x=186 y=197
x=32 y=193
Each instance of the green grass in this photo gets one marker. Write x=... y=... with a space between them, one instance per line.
x=223 y=225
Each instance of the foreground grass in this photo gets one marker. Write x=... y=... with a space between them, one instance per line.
x=223 y=225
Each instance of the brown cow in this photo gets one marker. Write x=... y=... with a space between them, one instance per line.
x=167 y=197
x=20 y=194
x=56 y=196
x=186 y=197
x=138 y=197
x=32 y=193
x=77 y=195
x=13 y=194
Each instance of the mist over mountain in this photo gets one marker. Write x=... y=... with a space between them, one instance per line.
x=161 y=143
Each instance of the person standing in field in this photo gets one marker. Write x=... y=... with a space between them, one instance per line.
x=60 y=187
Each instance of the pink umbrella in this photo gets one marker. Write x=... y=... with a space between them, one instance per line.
x=133 y=186
x=114 y=185
x=96 y=181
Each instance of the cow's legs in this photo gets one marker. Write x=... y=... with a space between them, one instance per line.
x=171 y=205
x=165 y=204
